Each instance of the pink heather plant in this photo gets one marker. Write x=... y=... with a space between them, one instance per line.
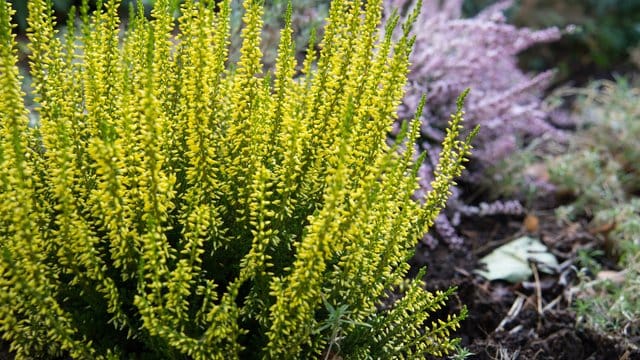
x=452 y=54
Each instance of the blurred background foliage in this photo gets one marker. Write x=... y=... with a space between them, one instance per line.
x=607 y=34
x=307 y=14
x=61 y=8
x=607 y=39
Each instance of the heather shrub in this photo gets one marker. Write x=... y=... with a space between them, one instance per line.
x=594 y=173
x=595 y=178
x=168 y=206
x=600 y=171
x=610 y=306
x=452 y=53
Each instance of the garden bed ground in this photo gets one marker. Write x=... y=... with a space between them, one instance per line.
x=530 y=320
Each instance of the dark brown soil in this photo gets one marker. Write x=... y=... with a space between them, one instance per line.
x=531 y=320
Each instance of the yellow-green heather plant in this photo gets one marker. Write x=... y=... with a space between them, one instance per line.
x=166 y=207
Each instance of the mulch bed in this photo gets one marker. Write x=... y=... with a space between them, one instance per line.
x=530 y=320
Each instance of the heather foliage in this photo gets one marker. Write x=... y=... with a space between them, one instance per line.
x=168 y=207
x=610 y=307
x=600 y=169
x=452 y=54
x=596 y=174
x=480 y=53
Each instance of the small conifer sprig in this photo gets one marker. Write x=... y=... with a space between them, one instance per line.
x=168 y=207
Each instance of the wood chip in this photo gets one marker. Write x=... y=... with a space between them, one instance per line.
x=531 y=223
x=616 y=277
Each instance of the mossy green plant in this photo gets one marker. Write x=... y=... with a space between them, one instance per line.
x=167 y=207
x=600 y=170
x=595 y=176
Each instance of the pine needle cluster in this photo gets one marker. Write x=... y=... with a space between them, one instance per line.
x=166 y=206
